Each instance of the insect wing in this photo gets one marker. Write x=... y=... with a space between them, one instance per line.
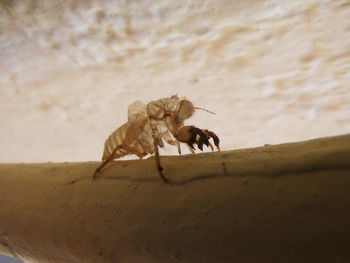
x=135 y=110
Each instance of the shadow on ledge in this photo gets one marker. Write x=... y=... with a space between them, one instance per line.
x=280 y=203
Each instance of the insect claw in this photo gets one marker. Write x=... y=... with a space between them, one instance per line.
x=192 y=135
x=215 y=138
x=211 y=147
x=191 y=145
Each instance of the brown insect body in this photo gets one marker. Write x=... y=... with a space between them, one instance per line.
x=147 y=127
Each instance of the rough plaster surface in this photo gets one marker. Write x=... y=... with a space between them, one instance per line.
x=282 y=203
x=274 y=71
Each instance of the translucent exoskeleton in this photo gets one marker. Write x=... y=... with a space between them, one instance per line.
x=149 y=125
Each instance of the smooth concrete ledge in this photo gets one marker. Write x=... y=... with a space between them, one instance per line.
x=281 y=203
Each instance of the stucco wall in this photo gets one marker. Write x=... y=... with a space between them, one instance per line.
x=273 y=71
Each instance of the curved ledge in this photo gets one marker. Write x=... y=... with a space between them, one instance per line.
x=281 y=203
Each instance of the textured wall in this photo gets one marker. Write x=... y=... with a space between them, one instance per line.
x=273 y=71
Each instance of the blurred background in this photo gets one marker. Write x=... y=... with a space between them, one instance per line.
x=273 y=71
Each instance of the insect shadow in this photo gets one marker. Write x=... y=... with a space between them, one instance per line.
x=139 y=178
x=170 y=181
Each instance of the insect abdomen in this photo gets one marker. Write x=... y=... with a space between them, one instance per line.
x=114 y=140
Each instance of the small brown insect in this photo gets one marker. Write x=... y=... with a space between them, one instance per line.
x=147 y=127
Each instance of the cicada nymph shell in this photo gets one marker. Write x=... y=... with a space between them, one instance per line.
x=147 y=127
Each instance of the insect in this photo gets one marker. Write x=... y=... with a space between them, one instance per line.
x=149 y=125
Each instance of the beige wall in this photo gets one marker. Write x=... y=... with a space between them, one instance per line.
x=273 y=71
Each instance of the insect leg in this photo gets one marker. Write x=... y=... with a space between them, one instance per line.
x=215 y=138
x=178 y=147
x=159 y=167
x=156 y=151
x=105 y=162
x=191 y=149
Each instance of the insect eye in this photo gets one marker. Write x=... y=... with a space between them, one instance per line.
x=186 y=110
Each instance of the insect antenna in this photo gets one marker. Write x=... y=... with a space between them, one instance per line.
x=197 y=108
